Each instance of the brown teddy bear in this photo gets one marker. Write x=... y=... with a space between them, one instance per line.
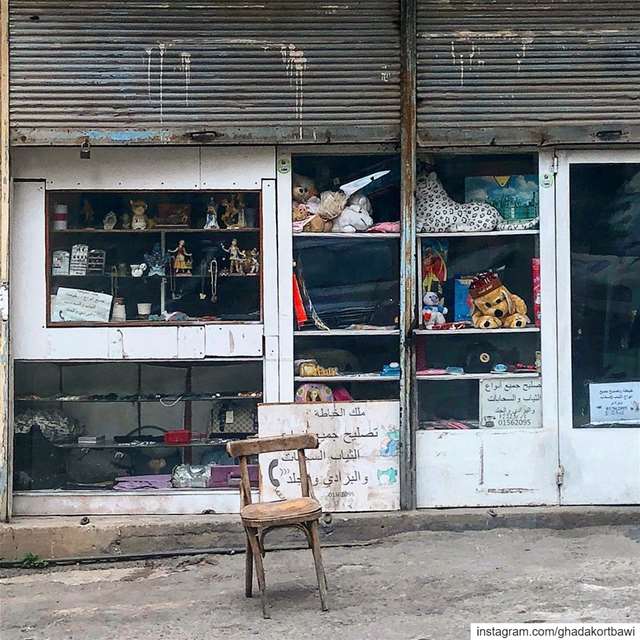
x=494 y=305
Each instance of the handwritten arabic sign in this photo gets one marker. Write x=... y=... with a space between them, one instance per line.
x=613 y=402
x=511 y=403
x=356 y=466
x=78 y=305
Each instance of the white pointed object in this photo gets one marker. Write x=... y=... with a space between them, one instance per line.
x=351 y=187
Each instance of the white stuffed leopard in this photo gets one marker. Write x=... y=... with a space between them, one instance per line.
x=436 y=212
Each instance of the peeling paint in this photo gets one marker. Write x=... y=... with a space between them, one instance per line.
x=295 y=64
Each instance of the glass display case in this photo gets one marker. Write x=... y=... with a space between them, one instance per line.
x=153 y=257
x=478 y=361
x=132 y=426
x=346 y=277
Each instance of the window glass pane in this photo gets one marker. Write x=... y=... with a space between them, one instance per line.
x=605 y=294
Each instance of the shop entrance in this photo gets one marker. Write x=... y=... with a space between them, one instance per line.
x=598 y=238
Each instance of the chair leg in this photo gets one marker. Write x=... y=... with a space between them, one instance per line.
x=248 y=570
x=257 y=557
x=317 y=559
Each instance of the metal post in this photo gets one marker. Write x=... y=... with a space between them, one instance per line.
x=408 y=253
x=5 y=371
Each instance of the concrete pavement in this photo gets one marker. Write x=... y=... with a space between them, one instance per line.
x=410 y=586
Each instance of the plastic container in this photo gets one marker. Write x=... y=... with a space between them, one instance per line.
x=60 y=217
x=180 y=436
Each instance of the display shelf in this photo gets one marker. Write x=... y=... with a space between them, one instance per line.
x=214 y=442
x=480 y=234
x=356 y=377
x=348 y=236
x=348 y=332
x=476 y=376
x=471 y=331
x=187 y=397
x=158 y=230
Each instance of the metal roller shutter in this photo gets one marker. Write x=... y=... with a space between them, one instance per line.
x=511 y=71
x=124 y=71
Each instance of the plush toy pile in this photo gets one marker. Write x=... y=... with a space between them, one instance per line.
x=494 y=305
x=329 y=211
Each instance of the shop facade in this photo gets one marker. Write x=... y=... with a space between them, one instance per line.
x=152 y=305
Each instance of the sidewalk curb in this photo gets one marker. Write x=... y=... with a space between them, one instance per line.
x=66 y=537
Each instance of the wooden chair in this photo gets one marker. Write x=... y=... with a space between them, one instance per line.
x=261 y=517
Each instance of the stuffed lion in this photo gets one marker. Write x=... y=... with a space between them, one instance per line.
x=494 y=305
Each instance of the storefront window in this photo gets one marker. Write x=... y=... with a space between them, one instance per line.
x=153 y=258
x=132 y=426
x=346 y=251
x=478 y=342
x=605 y=294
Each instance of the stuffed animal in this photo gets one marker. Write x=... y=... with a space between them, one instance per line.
x=139 y=220
x=436 y=212
x=302 y=188
x=433 y=312
x=356 y=216
x=494 y=305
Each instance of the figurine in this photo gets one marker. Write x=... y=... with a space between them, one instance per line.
x=139 y=220
x=110 y=220
x=251 y=263
x=157 y=261
x=87 y=214
x=126 y=220
x=137 y=270
x=236 y=256
x=230 y=213
x=212 y=215
x=242 y=221
x=182 y=262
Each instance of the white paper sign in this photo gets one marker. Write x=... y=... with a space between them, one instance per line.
x=78 y=305
x=356 y=466
x=612 y=402
x=511 y=403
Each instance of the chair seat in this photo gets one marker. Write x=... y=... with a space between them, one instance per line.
x=267 y=514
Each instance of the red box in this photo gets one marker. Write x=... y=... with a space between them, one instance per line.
x=180 y=436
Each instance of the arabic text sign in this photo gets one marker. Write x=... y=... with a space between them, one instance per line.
x=511 y=403
x=611 y=402
x=78 y=305
x=356 y=466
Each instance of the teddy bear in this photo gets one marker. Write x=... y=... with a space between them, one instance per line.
x=304 y=198
x=433 y=312
x=356 y=216
x=494 y=305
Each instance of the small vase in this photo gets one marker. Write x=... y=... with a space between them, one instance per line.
x=119 y=313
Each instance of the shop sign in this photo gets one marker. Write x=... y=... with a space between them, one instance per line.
x=511 y=403
x=78 y=305
x=356 y=466
x=614 y=402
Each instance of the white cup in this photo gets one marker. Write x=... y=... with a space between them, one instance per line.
x=144 y=309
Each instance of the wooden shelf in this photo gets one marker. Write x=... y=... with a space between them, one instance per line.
x=110 y=444
x=477 y=376
x=348 y=332
x=158 y=230
x=356 y=377
x=169 y=398
x=471 y=331
x=348 y=236
x=480 y=234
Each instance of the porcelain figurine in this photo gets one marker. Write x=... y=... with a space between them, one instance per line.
x=110 y=220
x=87 y=214
x=236 y=257
x=139 y=218
x=125 y=220
x=230 y=213
x=212 y=215
x=182 y=260
x=137 y=270
x=251 y=263
x=157 y=261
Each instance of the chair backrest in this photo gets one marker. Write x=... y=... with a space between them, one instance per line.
x=243 y=448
